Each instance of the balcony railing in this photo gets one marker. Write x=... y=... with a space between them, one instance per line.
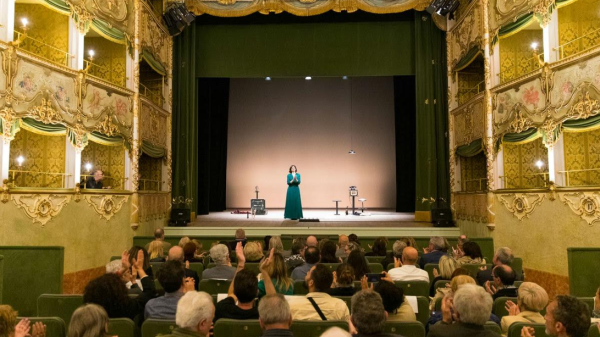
x=474 y=185
x=105 y=73
x=576 y=45
x=107 y=181
x=586 y=180
x=153 y=93
x=533 y=63
x=465 y=94
x=39 y=48
x=533 y=180
x=150 y=185
x=18 y=178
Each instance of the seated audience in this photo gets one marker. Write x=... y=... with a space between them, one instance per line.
x=531 y=299
x=352 y=246
x=176 y=254
x=410 y=242
x=171 y=277
x=110 y=292
x=240 y=236
x=461 y=241
x=342 y=243
x=596 y=309
x=447 y=266
x=275 y=316
x=353 y=238
x=566 y=316
x=117 y=267
x=503 y=285
x=189 y=252
x=379 y=247
x=159 y=236
x=10 y=328
x=275 y=243
x=436 y=249
x=133 y=253
x=368 y=314
x=312 y=241
x=395 y=304
x=452 y=286
x=297 y=257
x=343 y=281
x=199 y=248
x=397 y=249
x=470 y=308
x=312 y=256
x=406 y=270
x=223 y=268
x=328 y=252
x=88 y=320
x=253 y=252
x=335 y=332
x=195 y=312
x=275 y=269
x=155 y=252
x=357 y=260
x=325 y=307
x=503 y=256
x=470 y=254
x=183 y=241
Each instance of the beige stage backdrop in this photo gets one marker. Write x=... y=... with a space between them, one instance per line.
x=273 y=124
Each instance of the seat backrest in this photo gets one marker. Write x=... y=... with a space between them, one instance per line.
x=376 y=268
x=584 y=264
x=429 y=269
x=300 y=288
x=255 y=267
x=414 y=288
x=115 y=257
x=1 y=273
x=55 y=326
x=226 y=327
x=440 y=284
x=514 y=330
x=156 y=267
x=489 y=325
x=122 y=327
x=475 y=268
x=499 y=308
x=315 y=328
x=332 y=266
x=423 y=305
x=406 y=329
x=214 y=286
x=590 y=303
x=212 y=265
x=486 y=245
x=438 y=304
x=153 y=327
x=198 y=267
x=593 y=332
x=374 y=259
x=518 y=283
x=63 y=306
x=517 y=265
x=390 y=266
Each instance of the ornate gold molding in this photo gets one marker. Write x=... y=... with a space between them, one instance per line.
x=585 y=204
x=106 y=205
x=41 y=208
x=521 y=204
x=45 y=113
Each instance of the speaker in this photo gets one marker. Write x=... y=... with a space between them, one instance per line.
x=180 y=216
x=177 y=17
x=259 y=206
x=441 y=214
x=443 y=223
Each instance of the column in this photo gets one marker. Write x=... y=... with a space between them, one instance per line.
x=551 y=51
x=500 y=183
x=4 y=158
x=130 y=71
x=7 y=20
x=495 y=65
x=76 y=46
x=127 y=176
x=558 y=161
x=70 y=164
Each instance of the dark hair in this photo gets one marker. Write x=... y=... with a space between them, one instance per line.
x=322 y=277
x=245 y=285
x=297 y=245
x=109 y=292
x=267 y=240
x=573 y=314
x=133 y=253
x=158 y=233
x=506 y=274
x=357 y=260
x=458 y=272
x=380 y=246
x=472 y=250
x=352 y=238
x=344 y=274
x=328 y=253
x=170 y=275
x=189 y=251
x=312 y=255
x=392 y=296
x=294 y=166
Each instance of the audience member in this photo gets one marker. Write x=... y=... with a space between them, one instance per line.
x=397 y=249
x=343 y=281
x=368 y=314
x=311 y=256
x=240 y=236
x=189 y=252
x=531 y=299
x=10 y=328
x=503 y=256
x=353 y=238
x=470 y=254
x=195 y=312
x=133 y=253
x=342 y=243
x=90 y=320
x=156 y=252
x=253 y=252
x=596 y=308
x=470 y=308
x=171 y=277
x=159 y=236
x=328 y=252
x=183 y=241
x=503 y=286
x=275 y=316
x=406 y=270
x=199 y=248
x=317 y=304
x=357 y=260
x=276 y=270
x=176 y=254
x=455 y=282
x=312 y=241
x=275 y=243
x=297 y=257
x=410 y=242
x=447 y=266
x=223 y=269
x=352 y=246
x=335 y=332
x=461 y=241
x=436 y=249
x=379 y=247
x=566 y=316
x=394 y=302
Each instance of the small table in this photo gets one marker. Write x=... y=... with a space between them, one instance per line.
x=336 y=206
x=362 y=202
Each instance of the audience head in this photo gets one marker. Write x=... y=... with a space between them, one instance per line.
x=189 y=251
x=114 y=267
x=353 y=238
x=398 y=247
x=368 y=314
x=240 y=234
x=380 y=246
x=343 y=241
x=335 y=332
x=472 y=304
x=567 y=316
x=352 y=246
x=458 y=272
x=321 y=243
x=461 y=241
x=278 y=270
x=459 y=280
x=276 y=243
x=392 y=296
x=8 y=320
x=472 y=250
x=503 y=275
x=274 y=312
x=298 y=245
x=312 y=255
x=357 y=260
x=171 y=275
x=447 y=266
x=155 y=249
x=245 y=286
x=253 y=251
x=312 y=241
x=195 y=311
x=344 y=275
x=328 y=252
x=159 y=234
x=437 y=243
x=220 y=254
x=183 y=241
x=108 y=291
x=410 y=241
x=89 y=320
x=410 y=256
x=198 y=246
x=133 y=253
x=176 y=254
x=503 y=255
x=532 y=297
x=319 y=279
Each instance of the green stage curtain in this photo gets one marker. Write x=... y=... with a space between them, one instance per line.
x=432 y=173
x=582 y=124
x=153 y=63
x=513 y=27
x=32 y=125
x=468 y=58
x=470 y=150
x=523 y=137
x=152 y=150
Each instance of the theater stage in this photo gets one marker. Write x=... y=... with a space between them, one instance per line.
x=374 y=222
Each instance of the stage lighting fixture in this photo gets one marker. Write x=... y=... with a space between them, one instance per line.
x=443 y=7
x=177 y=17
x=308 y=78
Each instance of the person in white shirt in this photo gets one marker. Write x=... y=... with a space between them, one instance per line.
x=406 y=270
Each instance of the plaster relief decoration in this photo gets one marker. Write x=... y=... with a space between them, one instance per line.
x=41 y=208
x=471 y=207
x=154 y=37
x=153 y=125
x=154 y=206
x=504 y=12
x=585 y=204
x=106 y=205
x=469 y=122
x=466 y=34
x=521 y=204
x=516 y=109
x=117 y=13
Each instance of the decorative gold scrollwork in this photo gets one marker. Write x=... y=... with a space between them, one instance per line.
x=106 y=205
x=84 y=18
x=584 y=108
x=521 y=204
x=45 y=113
x=107 y=126
x=520 y=123
x=585 y=205
x=41 y=208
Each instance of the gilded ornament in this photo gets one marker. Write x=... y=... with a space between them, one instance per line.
x=106 y=205
x=584 y=108
x=83 y=17
x=115 y=9
x=543 y=10
x=520 y=123
x=584 y=204
x=5 y=196
x=547 y=81
x=107 y=127
x=41 y=208
x=521 y=204
x=45 y=113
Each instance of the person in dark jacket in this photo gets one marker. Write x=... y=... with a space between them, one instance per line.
x=432 y=254
x=503 y=285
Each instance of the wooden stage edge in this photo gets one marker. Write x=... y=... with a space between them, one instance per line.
x=378 y=222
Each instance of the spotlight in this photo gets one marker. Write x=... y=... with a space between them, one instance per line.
x=267 y=78
x=88 y=167
x=177 y=17
x=20 y=161
x=308 y=78
x=443 y=7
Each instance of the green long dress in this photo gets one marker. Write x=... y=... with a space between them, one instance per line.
x=293 y=203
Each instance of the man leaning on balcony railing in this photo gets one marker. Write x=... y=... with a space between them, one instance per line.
x=95 y=181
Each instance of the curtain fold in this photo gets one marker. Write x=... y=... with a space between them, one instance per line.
x=582 y=125
x=470 y=150
x=99 y=138
x=153 y=62
x=32 y=125
x=112 y=34
x=152 y=150
x=513 y=27
x=468 y=58
x=519 y=138
x=57 y=5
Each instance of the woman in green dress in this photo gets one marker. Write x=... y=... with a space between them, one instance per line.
x=293 y=203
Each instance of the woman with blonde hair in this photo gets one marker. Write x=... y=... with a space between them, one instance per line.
x=90 y=320
x=531 y=299
x=253 y=251
x=447 y=266
x=10 y=328
x=155 y=250
x=183 y=241
x=277 y=271
x=441 y=292
x=275 y=242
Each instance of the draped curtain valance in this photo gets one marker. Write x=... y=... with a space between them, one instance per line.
x=470 y=150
